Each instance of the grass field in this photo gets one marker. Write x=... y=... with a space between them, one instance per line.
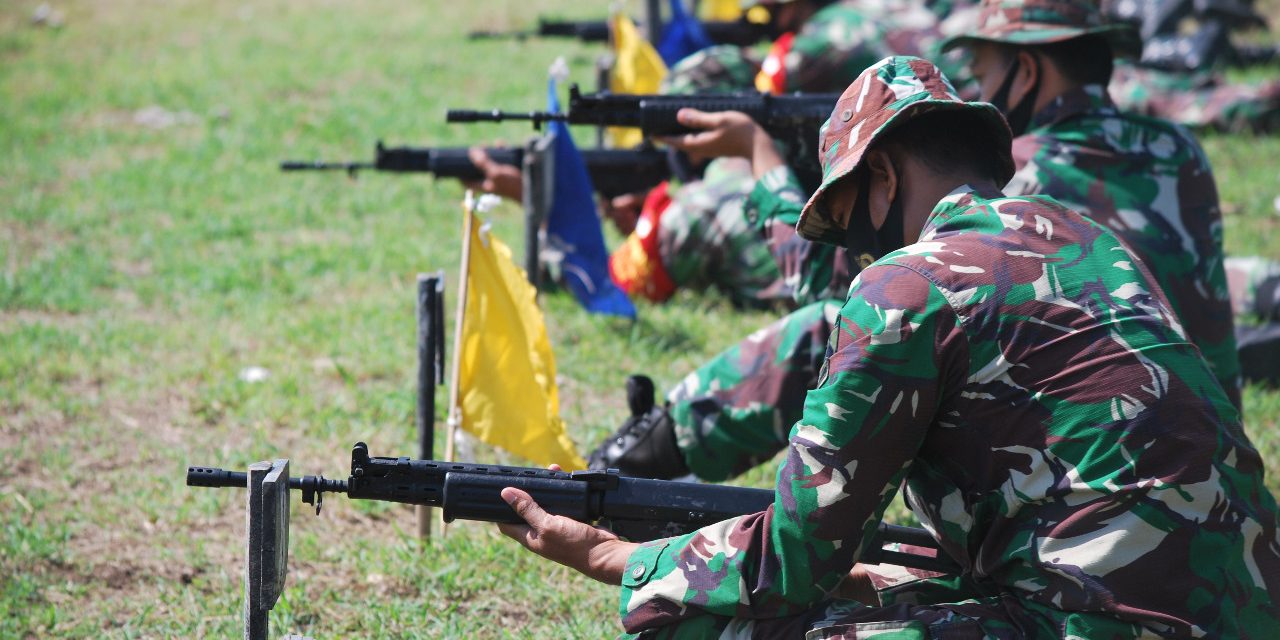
x=151 y=251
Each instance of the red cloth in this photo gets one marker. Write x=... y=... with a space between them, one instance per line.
x=636 y=266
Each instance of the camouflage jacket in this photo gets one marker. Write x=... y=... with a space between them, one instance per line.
x=811 y=271
x=842 y=39
x=1149 y=182
x=1018 y=375
x=828 y=51
x=1145 y=179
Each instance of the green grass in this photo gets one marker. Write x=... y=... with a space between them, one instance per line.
x=141 y=269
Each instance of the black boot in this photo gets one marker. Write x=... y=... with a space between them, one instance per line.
x=645 y=445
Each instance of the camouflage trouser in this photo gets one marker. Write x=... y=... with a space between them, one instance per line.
x=705 y=240
x=735 y=411
x=977 y=618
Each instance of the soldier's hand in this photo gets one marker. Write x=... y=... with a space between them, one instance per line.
x=624 y=211
x=726 y=133
x=501 y=179
x=592 y=551
x=723 y=133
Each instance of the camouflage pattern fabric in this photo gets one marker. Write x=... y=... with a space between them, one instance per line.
x=1017 y=373
x=734 y=412
x=1202 y=100
x=705 y=241
x=1032 y=22
x=1159 y=197
x=723 y=68
x=832 y=48
x=1150 y=183
x=828 y=52
x=811 y=271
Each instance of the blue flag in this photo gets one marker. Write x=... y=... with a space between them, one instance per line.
x=573 y=227
x=683 y=35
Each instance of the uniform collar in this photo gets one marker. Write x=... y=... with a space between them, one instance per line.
x=962 y=199
x=1090 y=98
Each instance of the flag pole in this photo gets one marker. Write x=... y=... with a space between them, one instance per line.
x=455 y=411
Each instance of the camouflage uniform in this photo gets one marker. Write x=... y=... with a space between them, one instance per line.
x=704 y=227
x=704 y=240
x=1019 y=376
x=1159 y=197
x=1201 y=100
x=1149 y=182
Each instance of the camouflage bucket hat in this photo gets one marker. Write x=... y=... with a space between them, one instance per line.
x=886 y=95
x=1032 y=22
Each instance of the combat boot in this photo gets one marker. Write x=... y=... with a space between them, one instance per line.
x=645 y=445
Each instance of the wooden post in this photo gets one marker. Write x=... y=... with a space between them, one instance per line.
x=455 y=412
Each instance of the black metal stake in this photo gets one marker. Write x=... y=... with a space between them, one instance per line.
x=430 y=310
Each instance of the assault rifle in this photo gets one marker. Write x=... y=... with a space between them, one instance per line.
x=635 y=508
x=793 y=119
x=737 y=32
x=613 y=171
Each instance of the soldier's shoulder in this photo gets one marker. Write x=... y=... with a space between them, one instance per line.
x=1158 y=135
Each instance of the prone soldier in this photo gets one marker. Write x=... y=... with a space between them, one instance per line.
x=1045 y=63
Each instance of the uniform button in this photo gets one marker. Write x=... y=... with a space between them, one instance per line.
x=638 y=571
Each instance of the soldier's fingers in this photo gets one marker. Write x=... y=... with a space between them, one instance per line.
x=524 y=506
x=698 y=119
x=521 y=533
x=479 y=158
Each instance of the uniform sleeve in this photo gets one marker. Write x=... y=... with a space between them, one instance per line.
x=774 y=206
x=895 y=346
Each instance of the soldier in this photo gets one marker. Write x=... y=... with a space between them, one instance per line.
x=696 y=235
x=1045 y=63
x=1017 y=373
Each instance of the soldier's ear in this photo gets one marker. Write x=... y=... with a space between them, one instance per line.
x=883 y=187
x=1027 y=78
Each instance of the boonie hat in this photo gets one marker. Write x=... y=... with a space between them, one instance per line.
x=1032 y=22
x=884 y=96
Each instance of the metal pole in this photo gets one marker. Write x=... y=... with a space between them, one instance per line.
x=604 y=67
x=653 y=20
x=430 y=370
x=538 y=175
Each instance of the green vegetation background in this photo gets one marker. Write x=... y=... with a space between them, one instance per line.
x=150 y=251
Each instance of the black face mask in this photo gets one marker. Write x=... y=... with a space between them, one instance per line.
x=864 y=242
x=1019 y=116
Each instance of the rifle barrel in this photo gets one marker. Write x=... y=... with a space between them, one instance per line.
x=316 y=165
x=498 y=115
x=221 y=478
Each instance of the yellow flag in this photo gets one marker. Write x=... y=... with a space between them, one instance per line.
x=507 y=376
x=725 y=10
x=637 y=68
